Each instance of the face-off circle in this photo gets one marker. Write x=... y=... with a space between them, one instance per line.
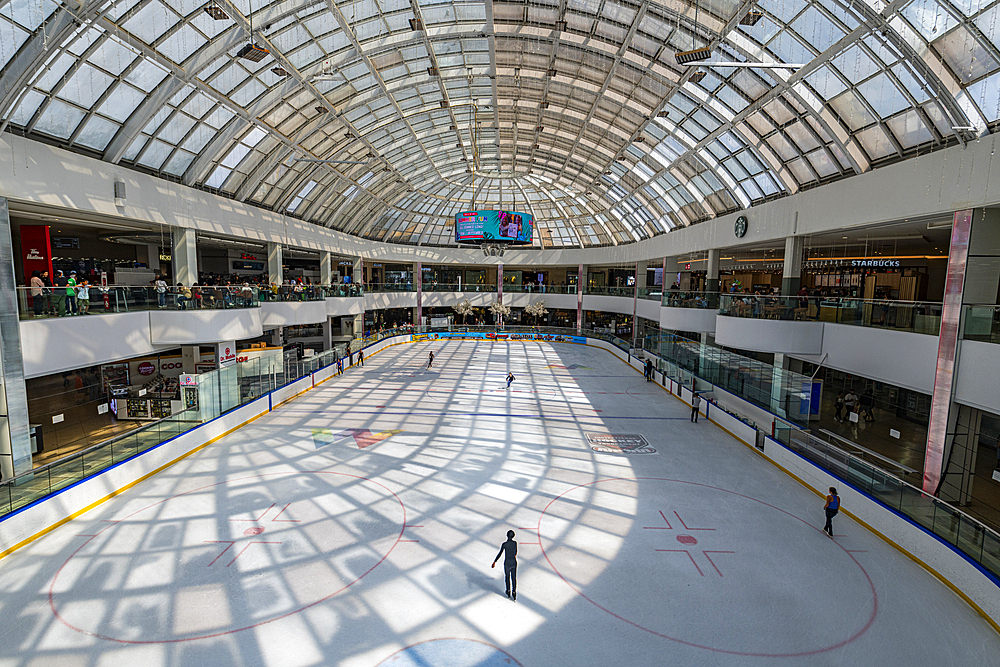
x=226 y=557
x=720 y=570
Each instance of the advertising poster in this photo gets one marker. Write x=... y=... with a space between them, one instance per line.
x=493 y=226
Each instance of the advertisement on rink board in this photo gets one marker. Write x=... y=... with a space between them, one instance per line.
x=498 y=335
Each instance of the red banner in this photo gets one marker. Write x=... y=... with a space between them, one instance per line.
x=36 y=250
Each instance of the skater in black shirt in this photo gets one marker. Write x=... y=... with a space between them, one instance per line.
x=509 y=552
x=430 y=359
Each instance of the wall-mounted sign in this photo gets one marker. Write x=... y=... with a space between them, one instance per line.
x=165 y=257
x=65 y=242
x=875 y=262
x=245 y=255
x=146 y=368
x=188 y=380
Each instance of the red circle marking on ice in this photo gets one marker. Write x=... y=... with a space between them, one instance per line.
x=399 y=536
x=256 y=530
x=568 y=582
x=687 y=539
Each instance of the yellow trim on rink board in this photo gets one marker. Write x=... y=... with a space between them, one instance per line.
x=28 y=540
x=937 y=575
x=117 y=492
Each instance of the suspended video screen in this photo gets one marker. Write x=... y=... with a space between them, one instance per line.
x=494 y=227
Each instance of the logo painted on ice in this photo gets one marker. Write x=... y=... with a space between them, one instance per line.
x=619 y=443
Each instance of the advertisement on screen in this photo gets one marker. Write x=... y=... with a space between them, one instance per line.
x=493 y=226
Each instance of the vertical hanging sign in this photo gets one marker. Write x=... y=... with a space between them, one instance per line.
x=36 y=249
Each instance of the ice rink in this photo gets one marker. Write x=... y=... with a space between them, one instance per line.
x=356 y=524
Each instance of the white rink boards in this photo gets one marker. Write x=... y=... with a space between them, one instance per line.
x=356 y=524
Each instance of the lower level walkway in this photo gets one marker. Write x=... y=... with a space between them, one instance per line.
x=356 y=526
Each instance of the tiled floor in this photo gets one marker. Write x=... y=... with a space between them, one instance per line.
x=356 y=526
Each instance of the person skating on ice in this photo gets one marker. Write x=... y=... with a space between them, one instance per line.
x=695 y=404
x=361 y=358
x=831 y=508
x=510 y=378
x=430 y=359
x=509 y=552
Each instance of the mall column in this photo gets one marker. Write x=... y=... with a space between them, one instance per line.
x=184 y=257
x=326 y=279
x=275 y=274
x=325 y=269
x=972 y=278
x=15 y=439
x=791 y=272
x=358 y=278
x=581 y=281
x=418 y=287
x=640 y=284
x=712 y=271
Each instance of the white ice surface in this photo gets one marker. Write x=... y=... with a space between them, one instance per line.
x=319 y=535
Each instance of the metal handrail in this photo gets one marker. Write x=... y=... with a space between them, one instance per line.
x=34 y=472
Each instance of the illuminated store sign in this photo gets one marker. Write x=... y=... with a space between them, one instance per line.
x=875 y=262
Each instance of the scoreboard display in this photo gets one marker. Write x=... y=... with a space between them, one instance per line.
x=494 y=227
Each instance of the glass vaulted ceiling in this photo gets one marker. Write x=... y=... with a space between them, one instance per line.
x=574 y=110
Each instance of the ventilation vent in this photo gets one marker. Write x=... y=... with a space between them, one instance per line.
x=444 y=104
x=280 y=71
x=416 y=24
x=561 y=26
x=321 y=109
x=752 y=17
x=432 y=71
x=697 y=76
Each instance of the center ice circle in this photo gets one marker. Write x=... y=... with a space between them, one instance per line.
x=722 y=591
x=264 y=547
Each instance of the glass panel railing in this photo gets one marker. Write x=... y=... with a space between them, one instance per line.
x=651 y=293
x=687 y=299
x=951 y=524
x=348 y=290
x=122 y=299
x=981 y=322
x=610 y=291
x=292 y=292
x=389 y=287
x=914 y=316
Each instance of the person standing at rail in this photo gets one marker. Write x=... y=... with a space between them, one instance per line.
x=695 y=404
x=509 y=552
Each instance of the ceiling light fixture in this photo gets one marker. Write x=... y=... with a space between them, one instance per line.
x=694 y=55
x=216 y=12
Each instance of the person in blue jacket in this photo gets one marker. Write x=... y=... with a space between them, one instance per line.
x=831 y=507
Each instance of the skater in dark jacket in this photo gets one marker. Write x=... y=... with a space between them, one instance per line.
x=509 y=552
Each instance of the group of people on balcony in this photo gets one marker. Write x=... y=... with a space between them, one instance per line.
x=61 y=296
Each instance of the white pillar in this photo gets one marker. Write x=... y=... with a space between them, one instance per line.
x=581 y=282
x=184 y=257
x=153 y=257
x=359 y=279
x=325 y=269
x=712 y=277
x=791 y=272
x=418 y=285
x=327 y=334
x=15 y=439
x=274 y=264
x=189 y=357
